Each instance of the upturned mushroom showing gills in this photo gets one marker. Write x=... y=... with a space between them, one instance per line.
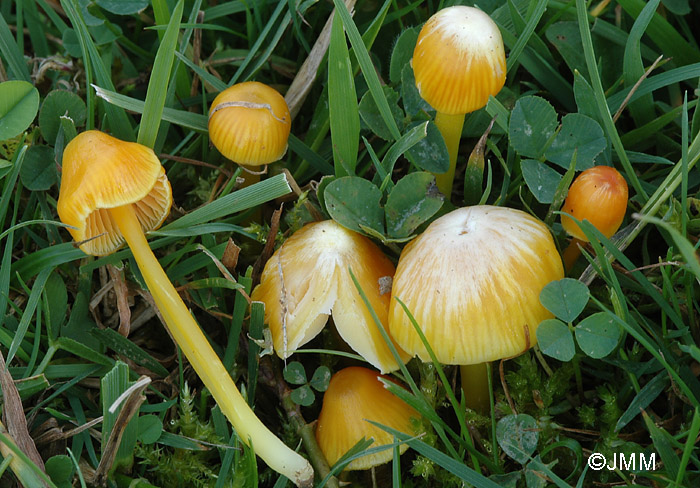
x=458 y=62
x=599 y=195
x=354 y=396
x=112 y=192
x=307 y=279
x=472 y=282
x=249 y=123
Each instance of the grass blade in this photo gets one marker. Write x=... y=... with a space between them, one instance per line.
x=664 y=34
x=257 y=319
x=6 y=260
x=343 y=109
x=119 y=123
x=158 y=83
x=367 y=68
x=689 y=446
x=237 y=201
x=633 y=67
x=12 y=54
x=125 y=347
x=523 y=38
x=29 y=309
x=662 y=444
x=463 y=472
x=28 y=473
x=182 y=118
x=113 y=384
x=31 y=264
x=298 y=147
x=238 y=75
x=645 y=396
x=202 y=73
x=677 y=75
x=605 y=116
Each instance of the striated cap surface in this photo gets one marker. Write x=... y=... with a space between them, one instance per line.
x=472 y=281
x=249 y=123
x=307 y=279
x=459 y=60
x=354 y=396
x=100 y=172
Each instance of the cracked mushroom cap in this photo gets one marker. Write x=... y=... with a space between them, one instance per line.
x=354 y=396
x=249 y=123
x=472 y=281
x=307 y=279
x=101 y=172
x=599 y=195
x=459 y=60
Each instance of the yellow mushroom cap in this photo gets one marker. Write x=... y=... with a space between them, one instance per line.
x=101 y=172
x=249 y=123
x=354 y=396
x=459 y=60
x=599 y=195
x=472 y=281
x=307 y=278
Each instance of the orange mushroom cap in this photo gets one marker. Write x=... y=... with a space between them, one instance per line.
x=599 y=195
x=459 y=60
x=354 y=396
x=101 y=172
x=308 y=277
x=472 y=281
x=249 y=123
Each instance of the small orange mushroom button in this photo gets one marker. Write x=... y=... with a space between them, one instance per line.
x=599 y=195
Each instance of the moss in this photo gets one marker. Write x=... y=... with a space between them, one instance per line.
x=182 y=468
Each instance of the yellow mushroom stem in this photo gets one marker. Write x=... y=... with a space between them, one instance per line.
x=475 y=384
x=571 y=253
x=450 y=126
x=204 y=360
x=250 y=175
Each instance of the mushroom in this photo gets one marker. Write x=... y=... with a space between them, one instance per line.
x=472 y=282
x=354 y=396
x=249 y=123
x=113 y=191
x=599 y=195
x=307 y=279
x=458 y=62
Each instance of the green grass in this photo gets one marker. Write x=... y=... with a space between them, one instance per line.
x=148 y=71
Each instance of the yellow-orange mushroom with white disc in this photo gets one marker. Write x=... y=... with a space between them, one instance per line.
x=354 y=396
x=598 y=195
x=307 y=279
x=458 y=62
x=472 y=282
x=112 y=192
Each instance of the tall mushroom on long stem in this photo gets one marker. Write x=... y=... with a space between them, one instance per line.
x=112 y=192
x=458 y=62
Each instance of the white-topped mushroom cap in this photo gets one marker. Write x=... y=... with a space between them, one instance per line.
x=472 y=281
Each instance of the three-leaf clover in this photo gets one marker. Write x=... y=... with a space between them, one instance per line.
x=295 y=374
